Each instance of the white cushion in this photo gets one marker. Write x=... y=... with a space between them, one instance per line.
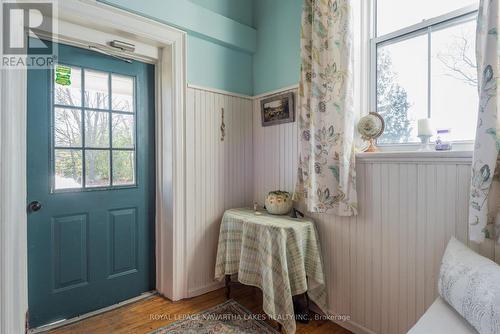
x=440 y=318
x=470 y=284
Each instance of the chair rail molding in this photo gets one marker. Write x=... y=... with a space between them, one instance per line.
x=170 y=150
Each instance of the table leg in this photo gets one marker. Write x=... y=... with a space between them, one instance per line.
x=301 y=308
x=228 y=286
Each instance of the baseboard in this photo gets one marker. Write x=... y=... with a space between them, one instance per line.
x=348 y=324
x=354 y=327
x=205 y=289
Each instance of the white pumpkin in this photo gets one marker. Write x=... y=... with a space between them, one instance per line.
x=279 y=202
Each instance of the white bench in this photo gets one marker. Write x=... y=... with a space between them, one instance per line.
x=441 y=318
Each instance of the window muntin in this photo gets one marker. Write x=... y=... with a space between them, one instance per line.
x=427 y=72
x=393 y=15
x=93 y=145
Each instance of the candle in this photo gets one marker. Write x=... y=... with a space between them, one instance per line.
x=424 y=127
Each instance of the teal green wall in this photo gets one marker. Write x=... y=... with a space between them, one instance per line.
x=210 y=65
x=238 y=10
x=243 y=46
x=276 y=64
x=219 y=48
x=195 y=19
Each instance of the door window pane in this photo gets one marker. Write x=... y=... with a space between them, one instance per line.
x=123 y=167
x=454 y=97
x=96 y=89
x=393 y=15
x=122 y=92
x=401 y=88
x=97 y=168
x=104 y=134
x=68 y=86
x=96 y=129
x=68 y=169
x=67 y=127
x=123 y=131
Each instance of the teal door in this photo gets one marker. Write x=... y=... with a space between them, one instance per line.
x=90 y=173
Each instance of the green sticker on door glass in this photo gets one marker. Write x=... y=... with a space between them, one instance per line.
x=63 y=75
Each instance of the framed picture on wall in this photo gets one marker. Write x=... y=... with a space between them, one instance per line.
x=277 y=109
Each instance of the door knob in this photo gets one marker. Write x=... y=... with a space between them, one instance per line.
x=34 y=206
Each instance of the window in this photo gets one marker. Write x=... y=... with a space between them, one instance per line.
x=424 y=66
x=93 y=129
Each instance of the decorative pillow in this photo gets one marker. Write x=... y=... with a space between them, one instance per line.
x=470 y=283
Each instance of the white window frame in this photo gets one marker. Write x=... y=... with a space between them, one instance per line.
x=422 y=28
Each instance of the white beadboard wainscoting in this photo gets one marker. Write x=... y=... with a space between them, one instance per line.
x=219 y=176
x=381 y=266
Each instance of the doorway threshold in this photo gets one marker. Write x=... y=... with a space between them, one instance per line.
x=65 y=322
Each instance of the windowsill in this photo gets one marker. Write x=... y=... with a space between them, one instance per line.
x=454 y=156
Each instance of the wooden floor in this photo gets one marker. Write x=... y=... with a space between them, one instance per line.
x=139 y=317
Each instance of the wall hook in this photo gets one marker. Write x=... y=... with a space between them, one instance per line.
x=222 y=126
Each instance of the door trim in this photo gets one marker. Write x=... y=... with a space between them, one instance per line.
x=170 y=155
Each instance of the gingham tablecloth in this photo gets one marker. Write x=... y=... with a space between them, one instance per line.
x=278 y=254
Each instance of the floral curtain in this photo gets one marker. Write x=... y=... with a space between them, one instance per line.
x=484 y=221
x=326 y=173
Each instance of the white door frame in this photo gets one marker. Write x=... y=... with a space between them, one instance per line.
x=169 y=46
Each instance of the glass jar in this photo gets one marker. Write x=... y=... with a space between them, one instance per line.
x=443 y=142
